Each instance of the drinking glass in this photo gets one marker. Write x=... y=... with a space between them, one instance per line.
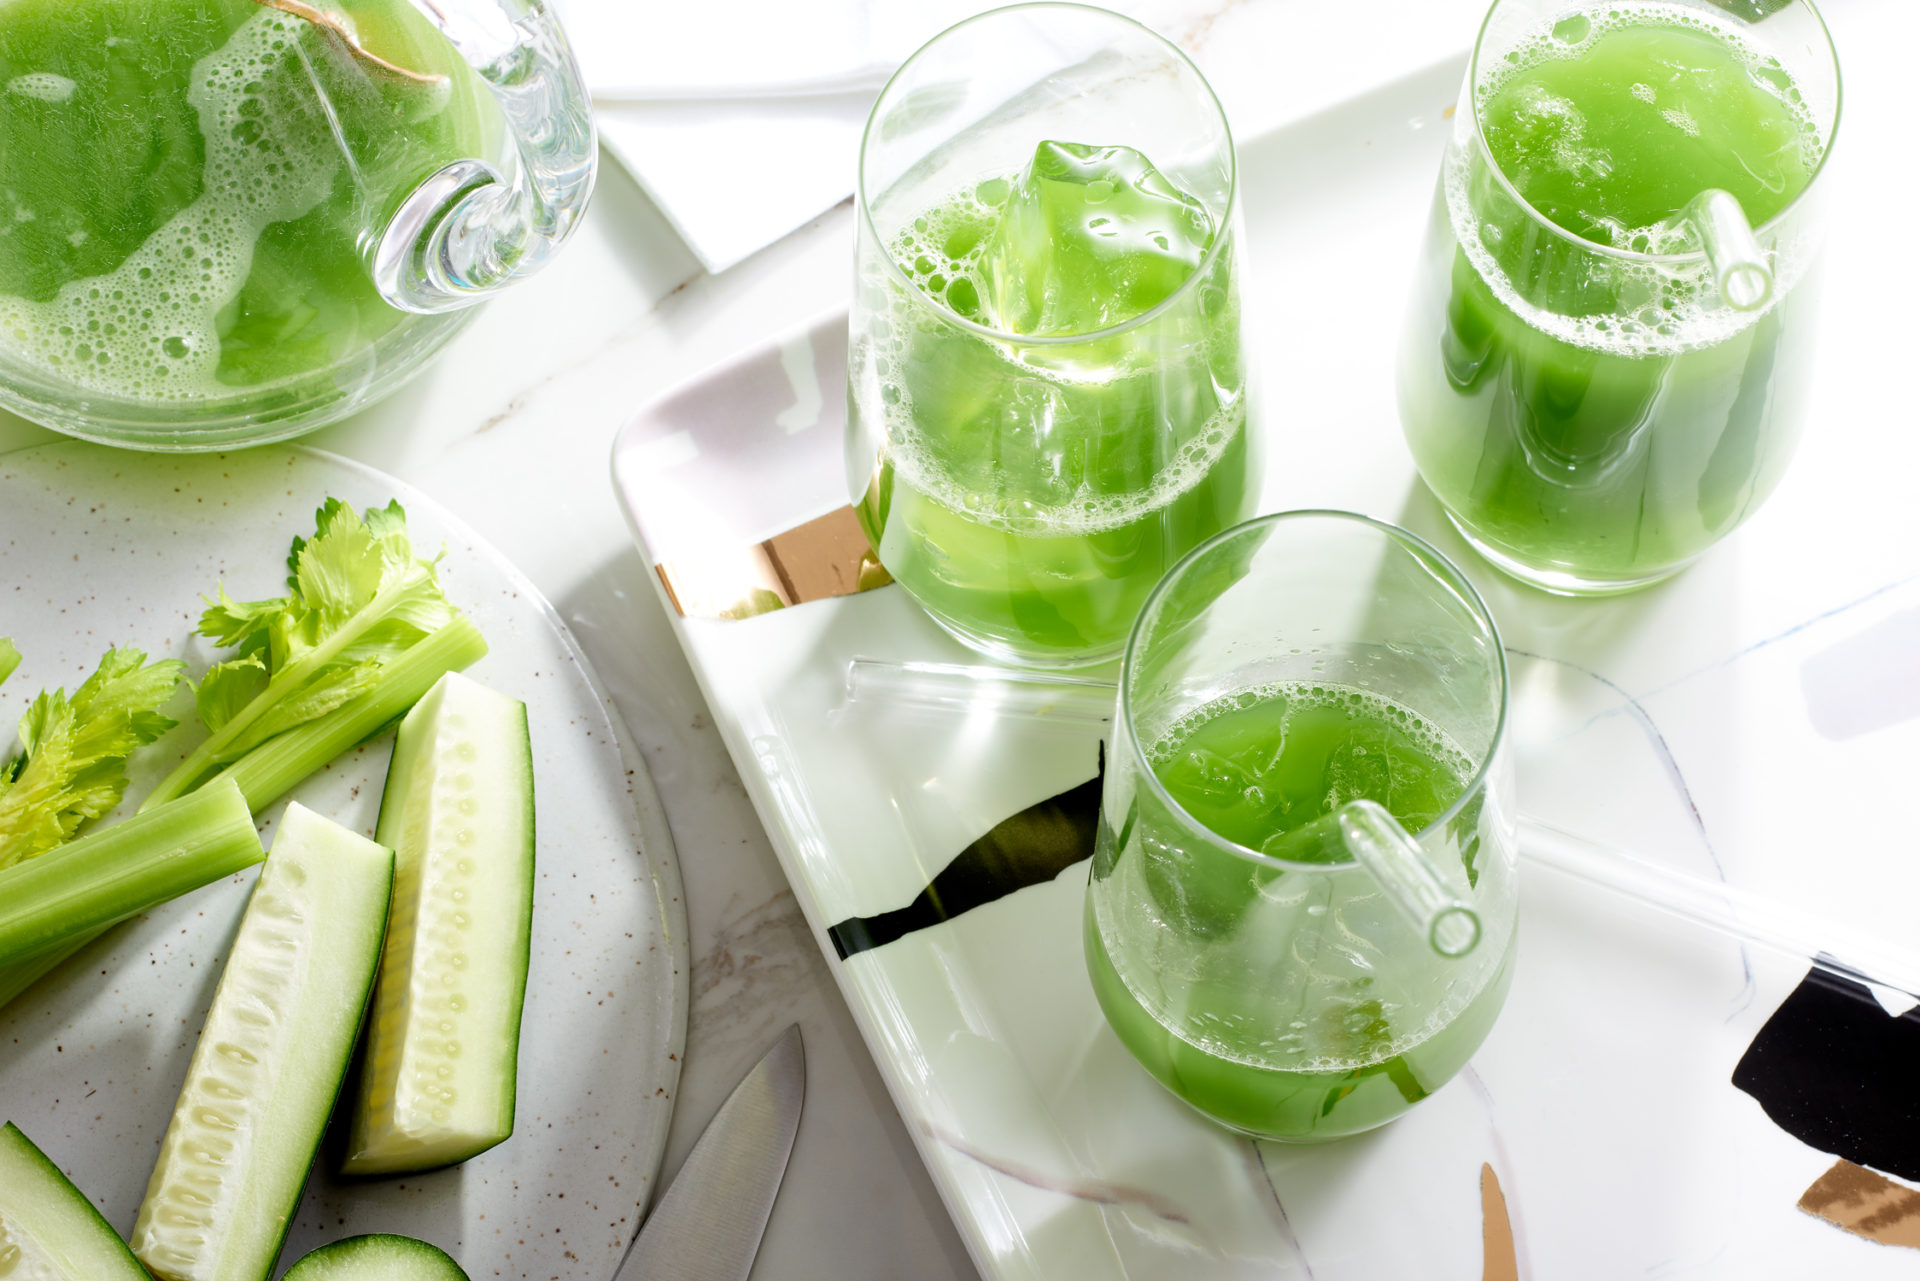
x=226 y=222
x=1027 y=455
x=1595 y=407
x=1302 y=905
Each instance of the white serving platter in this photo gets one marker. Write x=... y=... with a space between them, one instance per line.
x=1751 y=722
x=102 y=548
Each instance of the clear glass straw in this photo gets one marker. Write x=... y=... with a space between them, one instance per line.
x=1737 y=913
x=1717 y=905
x=966 y=687
x=1740 y=266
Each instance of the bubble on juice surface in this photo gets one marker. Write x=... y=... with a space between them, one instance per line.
x=948 y=240
x=1687 y=313
x=1356 y=1010
x=149 y=328
x=1084 y=513
x=1292 y=697
x=43 y=85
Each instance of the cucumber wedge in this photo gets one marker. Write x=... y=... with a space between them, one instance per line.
x=49 y=1231
x=437 y=1078
x=380 y=1257
x=271 y=1057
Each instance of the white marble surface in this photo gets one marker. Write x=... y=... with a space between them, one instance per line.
x=510 y=430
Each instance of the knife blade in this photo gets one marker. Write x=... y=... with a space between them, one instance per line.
x=707 y=1225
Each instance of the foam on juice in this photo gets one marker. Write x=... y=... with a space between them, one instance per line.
x=43 y=85
x=1682 y=310
x=148 y=329
x=946 y=253
x=1085 y=513
x=1297 y=696
x=1295 y=1048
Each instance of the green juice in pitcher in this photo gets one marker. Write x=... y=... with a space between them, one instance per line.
x=189 y=190
x=1062 y=407
x=1576 y=392
x=1299 y=1027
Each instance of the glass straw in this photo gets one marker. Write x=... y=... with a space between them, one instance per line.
x=1728 y=909
x=1740 y=266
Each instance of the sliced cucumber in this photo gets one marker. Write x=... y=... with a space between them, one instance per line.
x=436 y=1081
x=270 y=1059
x=381 y=1257
x=49 y=1231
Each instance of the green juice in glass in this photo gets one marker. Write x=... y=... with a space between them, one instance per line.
x=1301 y=1034
x=1062 y=405
x=1589 y=410
x=188 y=189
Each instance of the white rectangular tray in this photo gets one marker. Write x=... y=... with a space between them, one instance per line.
x=1756 y=721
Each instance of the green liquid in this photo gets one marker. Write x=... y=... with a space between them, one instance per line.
x=1578 y=417
x=189 y=189
x=1285 y=1023
x=1030 y=496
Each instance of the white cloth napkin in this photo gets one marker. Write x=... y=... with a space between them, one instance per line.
x=742 y=118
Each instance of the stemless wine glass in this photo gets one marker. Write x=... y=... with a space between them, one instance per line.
x=1302 y=906
x=1047 y=400
x=1595 y=404
x=225 y=222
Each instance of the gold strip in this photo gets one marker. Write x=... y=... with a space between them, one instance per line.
x=825 y=557
x=345 y=35
x=1501 y=1260
x=1865 y=1203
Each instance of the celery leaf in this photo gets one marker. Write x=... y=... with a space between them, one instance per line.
x=228 y=688
x=71 y=768
x=357 y=597
x=231 y=622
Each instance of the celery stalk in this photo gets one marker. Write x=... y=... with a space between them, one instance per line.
x=272 y=769
x=206 y=755
x=67 y=894
x=359 y=597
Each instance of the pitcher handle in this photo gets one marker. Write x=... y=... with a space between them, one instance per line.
x=469 y=229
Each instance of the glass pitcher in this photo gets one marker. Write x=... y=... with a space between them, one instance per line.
x=1605 y=366
x=1301 y=911
x=231 y=221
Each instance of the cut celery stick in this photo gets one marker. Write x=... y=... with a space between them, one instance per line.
x=270 y=1059
x=123 y=869
x=49 y=1231
x=275 y=767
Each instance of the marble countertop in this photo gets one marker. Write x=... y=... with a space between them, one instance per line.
x=510 y=430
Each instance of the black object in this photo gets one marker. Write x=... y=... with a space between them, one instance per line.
x=1031 y=848
x=1836 y=1071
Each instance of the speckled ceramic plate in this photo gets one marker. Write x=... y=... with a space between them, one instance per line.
x=101 y=548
